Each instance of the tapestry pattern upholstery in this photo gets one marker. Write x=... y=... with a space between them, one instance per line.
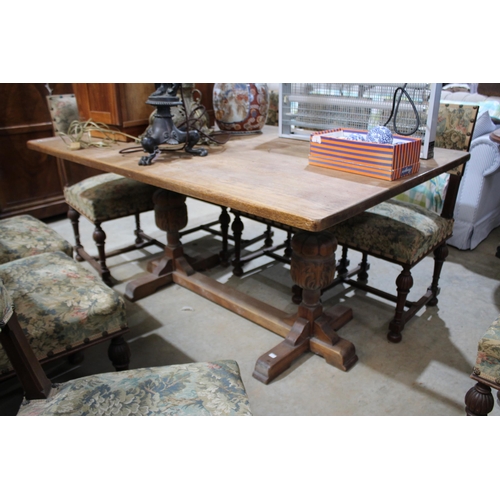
x=59 y=304
x=395 y=230
x=488 y=354
x=193 y=389
x=109 y=196
x=24 y=235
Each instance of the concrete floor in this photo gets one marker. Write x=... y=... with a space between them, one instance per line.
x=426 y=374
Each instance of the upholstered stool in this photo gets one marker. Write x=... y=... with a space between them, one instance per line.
x=63 y=308
x=189 y=389
x=193 y=389
x=103 y=198
x=23 y=235
x=402 y=233
x=486 y=372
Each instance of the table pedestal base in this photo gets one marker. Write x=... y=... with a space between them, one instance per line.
x=312 y=268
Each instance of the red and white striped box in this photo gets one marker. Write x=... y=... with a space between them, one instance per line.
x=334 y=149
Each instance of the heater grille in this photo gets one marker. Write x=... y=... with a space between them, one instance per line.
x=309 y=107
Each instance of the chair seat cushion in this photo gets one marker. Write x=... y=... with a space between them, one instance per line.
x=395 y=230
x=59 y=304
x=109 y=196
x=24 y=235
x=193 y=389
x=488 y=354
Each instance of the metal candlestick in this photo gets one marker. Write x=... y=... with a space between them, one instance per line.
x=163 y=129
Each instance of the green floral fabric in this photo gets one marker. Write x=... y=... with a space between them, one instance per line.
x=59 y=304
x=5 y=304
x=109 y=196
x=194 y=389
x=23 y=235
x=488 y=354
x=454 y=129
x=429 y=195
x=396 y=230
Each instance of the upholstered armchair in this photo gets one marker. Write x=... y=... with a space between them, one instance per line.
x=190 y=389
x=486 y=372
x=63 y=308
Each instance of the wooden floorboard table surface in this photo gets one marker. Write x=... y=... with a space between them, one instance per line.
x=260 y=174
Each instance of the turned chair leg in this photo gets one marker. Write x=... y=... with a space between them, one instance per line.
x=343 y=262
x=119 y=353
x=137 y=232
x=364 y=266
x=74 y=217
x=100 y=237
x=224 y=220
x=440 y=254
x=268 y=242
x=404 y=282
x=479 y=401
x=237 y=227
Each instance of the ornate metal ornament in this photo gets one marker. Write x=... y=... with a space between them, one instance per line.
x=163 y=129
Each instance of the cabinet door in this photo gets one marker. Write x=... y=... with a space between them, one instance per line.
x=122 y=106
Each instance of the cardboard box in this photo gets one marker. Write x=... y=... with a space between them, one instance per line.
x=334 y=149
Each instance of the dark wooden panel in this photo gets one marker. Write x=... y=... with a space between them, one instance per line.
x=31 y=182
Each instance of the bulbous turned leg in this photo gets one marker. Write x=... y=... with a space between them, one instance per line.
x=119 y=353
x=403 y=282
x=312 y=269
x=440 y=254
x=74 y=217
x=479 y=400
x=100 y=238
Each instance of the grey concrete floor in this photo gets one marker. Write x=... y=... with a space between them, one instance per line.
x=426 y=374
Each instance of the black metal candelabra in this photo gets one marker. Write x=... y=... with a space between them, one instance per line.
x=163 y=129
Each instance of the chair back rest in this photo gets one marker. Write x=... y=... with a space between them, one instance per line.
x=35 y=383
x=455 y=126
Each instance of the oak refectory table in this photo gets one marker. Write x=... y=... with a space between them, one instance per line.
x=265 y=176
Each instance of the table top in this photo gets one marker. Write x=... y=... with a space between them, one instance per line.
x=260 y=174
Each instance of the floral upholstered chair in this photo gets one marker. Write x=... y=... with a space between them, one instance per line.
x=486 y=372
x=454 y=130
x=103 y=198
x=405 y=233
x=24 y=235
x=189 y=389
x=63 y=308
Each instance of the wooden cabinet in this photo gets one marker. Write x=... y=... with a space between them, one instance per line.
x=122 y=106
x=31 y=182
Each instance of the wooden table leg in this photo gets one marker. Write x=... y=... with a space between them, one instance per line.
x=171 y=216
x=312 y=268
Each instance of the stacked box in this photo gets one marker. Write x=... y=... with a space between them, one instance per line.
x=339 y=149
